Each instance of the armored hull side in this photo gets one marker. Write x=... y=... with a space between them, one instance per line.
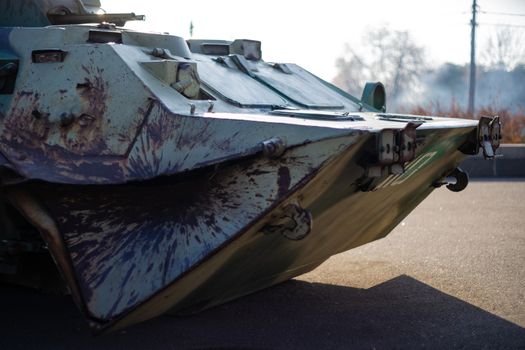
x=193 y=241
x=343 y=218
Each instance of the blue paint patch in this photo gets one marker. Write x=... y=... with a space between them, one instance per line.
x=4 y=39
x=6 y=51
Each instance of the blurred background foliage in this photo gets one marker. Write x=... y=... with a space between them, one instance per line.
x=395 y=59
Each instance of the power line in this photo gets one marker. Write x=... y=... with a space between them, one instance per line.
x=502 y=24
x=504 y=13
x=473 y=23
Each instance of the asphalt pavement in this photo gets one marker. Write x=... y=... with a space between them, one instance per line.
x=451 y=275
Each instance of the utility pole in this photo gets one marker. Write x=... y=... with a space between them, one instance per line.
x=472 y=82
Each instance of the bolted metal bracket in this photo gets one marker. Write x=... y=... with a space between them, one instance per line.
x=273 y=148
x=489 y=135
x=294 y=223
x=395 y=147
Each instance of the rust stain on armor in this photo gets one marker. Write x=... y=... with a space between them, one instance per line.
x=84 y=133
x=25 y=135
x=283 y=181
x=25 y=123
x=159 y=127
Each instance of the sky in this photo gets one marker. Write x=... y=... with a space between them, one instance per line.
x=313 y=33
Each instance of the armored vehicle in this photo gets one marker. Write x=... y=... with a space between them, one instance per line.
x=162 y=174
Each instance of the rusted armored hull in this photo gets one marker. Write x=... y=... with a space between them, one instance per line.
x=162 y=174
x=130 y=252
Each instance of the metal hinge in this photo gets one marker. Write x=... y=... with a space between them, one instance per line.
x=489 y=135
x=395 y=147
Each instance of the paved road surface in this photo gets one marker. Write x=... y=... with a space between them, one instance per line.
x=452 y=275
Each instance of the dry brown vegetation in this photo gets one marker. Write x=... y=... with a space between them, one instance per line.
x=513 y=123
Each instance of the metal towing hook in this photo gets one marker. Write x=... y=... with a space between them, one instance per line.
x=456 y=180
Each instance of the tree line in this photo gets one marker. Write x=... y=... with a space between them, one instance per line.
x=394 y=58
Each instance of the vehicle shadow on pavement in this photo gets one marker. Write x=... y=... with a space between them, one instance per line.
x=399 y=313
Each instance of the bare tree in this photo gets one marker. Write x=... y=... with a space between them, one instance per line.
x=385 y=55
x=504 y=49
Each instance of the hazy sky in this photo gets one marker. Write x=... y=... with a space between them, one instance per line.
x=313 y=33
